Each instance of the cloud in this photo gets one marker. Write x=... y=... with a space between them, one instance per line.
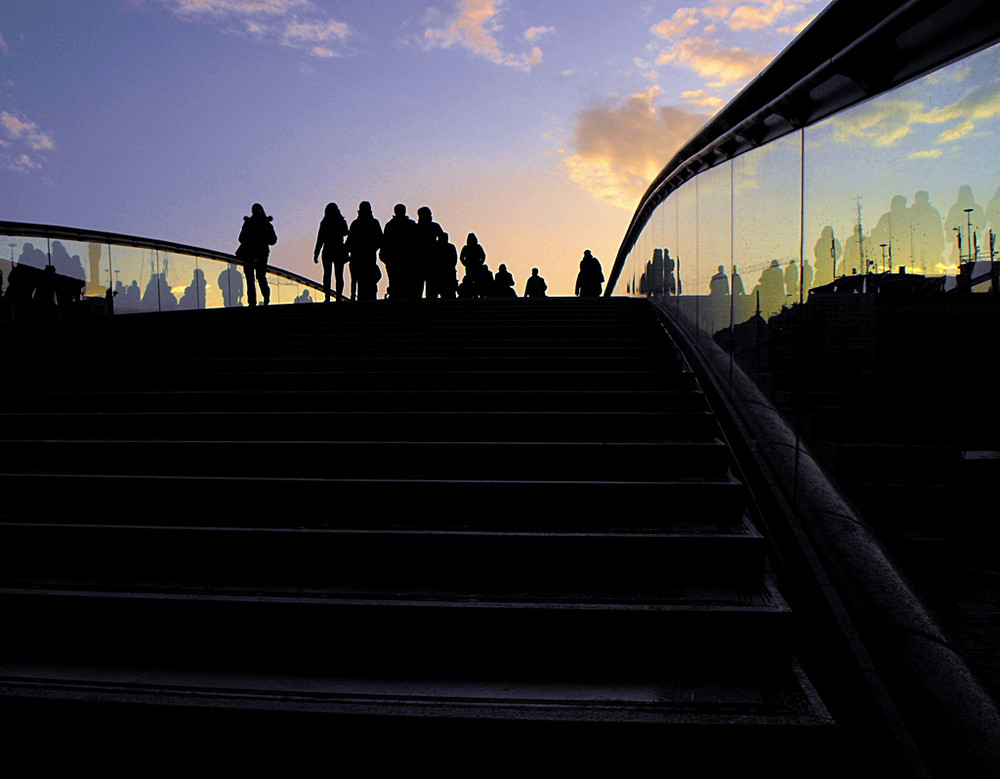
x=22 y=130
x=16 y=133
x=271 y=20
x=725 y=65
x=474 y=27
x=533 y=32
x=797 y=28
x=701 y=98
x=886 y=123
x=299 y=34
x=620 y=147
x=929 y=154
x=678 y=24
x=646 y=68
x=4 y=48
x=235 y=7
x=760 y=15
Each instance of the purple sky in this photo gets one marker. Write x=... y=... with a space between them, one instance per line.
x=536 y=125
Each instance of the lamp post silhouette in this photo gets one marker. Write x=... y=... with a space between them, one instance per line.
x=968 y=220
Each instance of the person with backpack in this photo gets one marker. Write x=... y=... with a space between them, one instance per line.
x=256 y=239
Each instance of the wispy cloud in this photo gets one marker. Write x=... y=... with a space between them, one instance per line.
x=621 y=146
x=886 y=123
x=235 y=7
x=760 y=14
x=710 y=59
x=534 y=32
x=475 y=26
x=299 y=24
x=18 y=133
x=683 y=20
x=23 y=130
x=4 y=48
x=299 y=34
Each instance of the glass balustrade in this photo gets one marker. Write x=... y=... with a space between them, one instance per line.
x=849 y=273
x=58 y=271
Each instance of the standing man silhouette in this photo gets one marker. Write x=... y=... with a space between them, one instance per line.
x=256 y=239
x=535 y=286
x=397 y=251
x=363 y=240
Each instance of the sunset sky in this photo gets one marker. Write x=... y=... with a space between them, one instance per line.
x=536 y=124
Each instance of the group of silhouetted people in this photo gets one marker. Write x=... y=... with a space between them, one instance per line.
x=418 y=258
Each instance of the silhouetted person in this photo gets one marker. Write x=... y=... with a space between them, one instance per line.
x=719 y=283
x=738 y=288
x=32 y=257
x=428 y=242
x=473 y=259
x=771 y=289
x=133 y=295
x=535 y=286
x=66 y=265
x=303 y=297
x=503 y=283
x=330 y=241
x=590 y=278
x=397 y=251
x=363 y=240
x=669 y=281
x=792 y=279
x=928 y=233
x=893 y=230
x=826 y=251
x=443 y=279
x=992 y=212
x=256 y=239
x=231 y=284
x=194 y=293
x=807 y=276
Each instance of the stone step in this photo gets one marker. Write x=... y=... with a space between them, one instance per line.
x=344 y=400
x=312 y=378
x=372 y=425
x=461 y=634
x=508 y=460
x=578 y=565
x=86 y=496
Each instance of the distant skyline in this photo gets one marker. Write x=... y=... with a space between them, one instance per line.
x=536 y=125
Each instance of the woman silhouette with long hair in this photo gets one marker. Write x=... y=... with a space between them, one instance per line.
x=330 y=240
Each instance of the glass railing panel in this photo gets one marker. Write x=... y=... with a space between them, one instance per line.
x=935 y=201
x=230 y=283
x=715 y=249
x=187 y=283
x=767 y=231
x=137 y=279
x=141 y=275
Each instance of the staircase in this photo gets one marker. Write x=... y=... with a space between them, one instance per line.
x=466 y=520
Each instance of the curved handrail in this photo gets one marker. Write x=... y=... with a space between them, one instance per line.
x=32 y=230
x=817 y=76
